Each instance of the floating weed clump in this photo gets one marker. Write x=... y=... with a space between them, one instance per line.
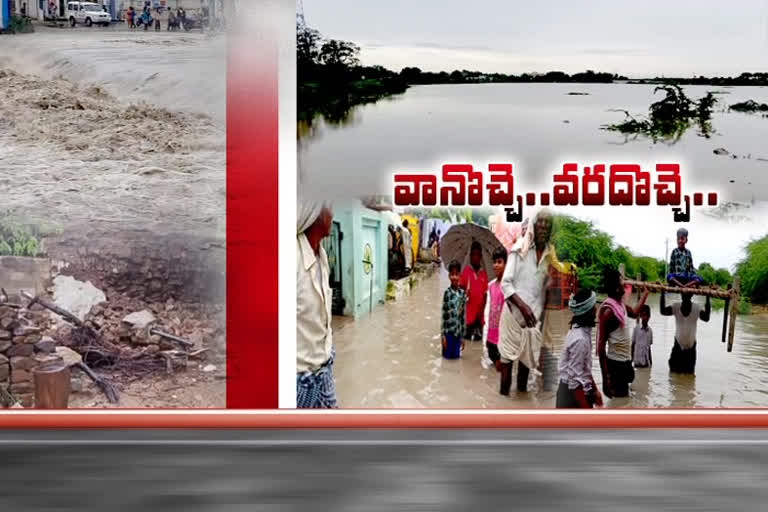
x=669 y=118
x=749 y=106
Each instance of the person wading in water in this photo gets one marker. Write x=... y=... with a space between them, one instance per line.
x=524 y=286
x=614 y=342
x=687 y=314
x=315 y=387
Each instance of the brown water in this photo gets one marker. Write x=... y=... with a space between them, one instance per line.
x=391 y=359
x=114 y=129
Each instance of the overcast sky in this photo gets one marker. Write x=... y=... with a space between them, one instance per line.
x=648 y=38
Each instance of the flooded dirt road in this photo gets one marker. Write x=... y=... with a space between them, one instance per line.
x=391 y=358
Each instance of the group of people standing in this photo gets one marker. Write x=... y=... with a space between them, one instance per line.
x=514 y=313
x=507 y=314
x=176 y=21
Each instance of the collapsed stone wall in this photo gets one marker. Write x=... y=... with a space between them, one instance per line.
x=29 y=338
x=146 y=266
x=23 y=348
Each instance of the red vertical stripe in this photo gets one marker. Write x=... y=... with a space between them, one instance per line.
x=252 y=209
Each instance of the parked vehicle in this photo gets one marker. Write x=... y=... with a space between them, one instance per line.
x=87 y=13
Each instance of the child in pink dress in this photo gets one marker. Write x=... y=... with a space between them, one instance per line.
x=493 y=307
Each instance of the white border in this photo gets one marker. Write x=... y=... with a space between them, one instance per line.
x=285 y=34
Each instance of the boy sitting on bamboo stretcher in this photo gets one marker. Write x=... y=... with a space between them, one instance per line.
x=682 y=273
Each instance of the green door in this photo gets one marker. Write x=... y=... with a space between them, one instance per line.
x=332 y=246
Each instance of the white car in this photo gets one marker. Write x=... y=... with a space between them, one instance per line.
x=87 y=13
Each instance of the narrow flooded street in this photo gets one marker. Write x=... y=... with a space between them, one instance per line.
x=391 y=359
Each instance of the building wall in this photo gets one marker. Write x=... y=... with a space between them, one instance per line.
x=5 y=14
x=33 y=7
x=360 y=227
x=20 y=273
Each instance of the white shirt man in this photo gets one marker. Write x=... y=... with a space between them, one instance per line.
x=314 y=336
x=687 y=314
x=315 y=387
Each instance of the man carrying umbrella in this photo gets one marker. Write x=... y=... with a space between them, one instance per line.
x=524 y=287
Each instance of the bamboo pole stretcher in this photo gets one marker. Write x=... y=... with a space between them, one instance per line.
x=731 y=296
x=716 y=293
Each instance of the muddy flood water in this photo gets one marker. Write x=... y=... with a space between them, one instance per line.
x=112 y=145
x=391 y=359
x=115 y=129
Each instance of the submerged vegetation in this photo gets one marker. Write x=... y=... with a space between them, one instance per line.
x=749 y=106
x=669 y=118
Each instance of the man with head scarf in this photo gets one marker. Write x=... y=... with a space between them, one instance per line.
x=315 y=387
x=614 y=341
x=577 y=388
x=524 y=286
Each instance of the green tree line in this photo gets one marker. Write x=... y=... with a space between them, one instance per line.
x=331 y=80
x=414 y=75
x=594 y=252
x=753 y=271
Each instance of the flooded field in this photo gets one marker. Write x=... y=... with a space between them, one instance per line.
x=537 y=127
x=391 y=359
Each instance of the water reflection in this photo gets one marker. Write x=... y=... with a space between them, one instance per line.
x=391 y=359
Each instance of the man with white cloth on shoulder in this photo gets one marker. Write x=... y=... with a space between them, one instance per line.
x=524 y=287
x=315 y=388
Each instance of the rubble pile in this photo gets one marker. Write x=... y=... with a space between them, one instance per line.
x=126 y=323
x=116 y=338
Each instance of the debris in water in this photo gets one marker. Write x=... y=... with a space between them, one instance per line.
x=721 y=151
x=749 y=106
x=669 y=118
